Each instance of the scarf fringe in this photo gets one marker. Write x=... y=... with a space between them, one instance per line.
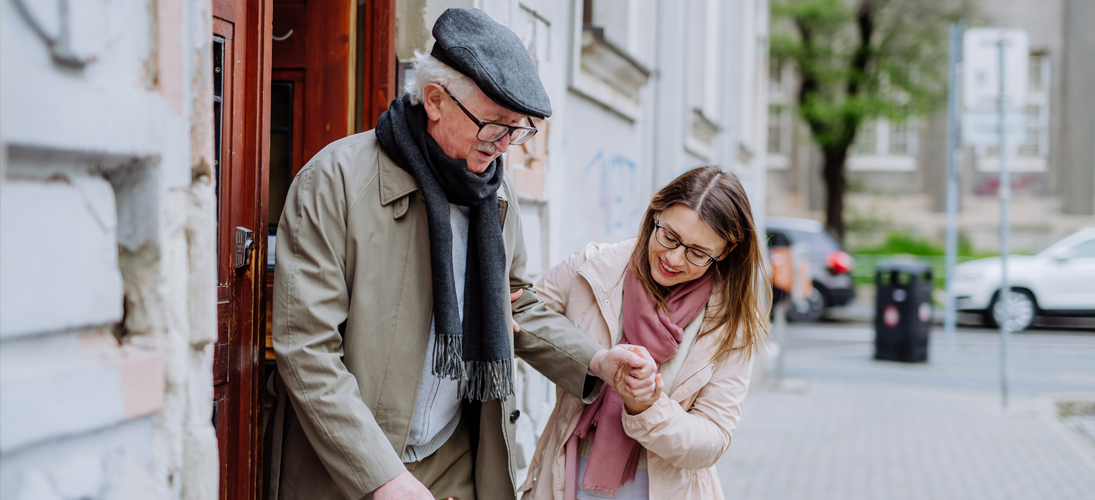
x=489 y=380
x=448 y=355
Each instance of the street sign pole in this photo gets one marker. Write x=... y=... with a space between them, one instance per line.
x=1005 y=196
x=953 y=128
x=996 y=88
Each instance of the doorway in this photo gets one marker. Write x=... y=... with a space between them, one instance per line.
x=332 y=73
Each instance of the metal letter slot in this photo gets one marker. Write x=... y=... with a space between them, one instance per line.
x=245 y=241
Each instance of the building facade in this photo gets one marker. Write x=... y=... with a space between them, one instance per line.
x=896 y=171
x=145 y=150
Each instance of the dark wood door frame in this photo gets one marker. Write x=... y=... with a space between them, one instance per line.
x=378 y=62
x=243 y=187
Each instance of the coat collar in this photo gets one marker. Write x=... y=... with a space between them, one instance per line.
x=396 y=183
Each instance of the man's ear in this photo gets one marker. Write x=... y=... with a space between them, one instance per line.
x=432 y=95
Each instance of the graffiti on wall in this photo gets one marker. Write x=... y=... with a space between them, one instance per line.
x=611 y=202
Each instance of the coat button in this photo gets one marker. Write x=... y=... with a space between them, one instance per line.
x=514 y=416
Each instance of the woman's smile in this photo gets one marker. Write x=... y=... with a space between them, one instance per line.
x=667 y=270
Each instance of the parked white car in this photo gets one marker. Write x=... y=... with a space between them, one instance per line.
x=1058 y=281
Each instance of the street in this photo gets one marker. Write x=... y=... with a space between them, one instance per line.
x=842 y=425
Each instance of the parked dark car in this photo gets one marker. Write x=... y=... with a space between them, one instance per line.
x=830 y=265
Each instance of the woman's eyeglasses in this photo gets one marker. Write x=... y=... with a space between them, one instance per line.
x=671 y=241
x=493 y=132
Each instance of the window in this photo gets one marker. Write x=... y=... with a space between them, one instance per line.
x=899 y=138
x=281 y=146
x=866 y=139
x=610 y=54
x=775 y=75
x=703 y=85
x=775 y=129
x=1084 y=250
x=1036 y=67
x=1032 y=146
x=218 y=119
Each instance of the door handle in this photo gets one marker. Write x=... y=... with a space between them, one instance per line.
x=245 y=241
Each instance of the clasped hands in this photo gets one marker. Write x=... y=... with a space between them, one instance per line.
x=630 y=369
x=632 y=372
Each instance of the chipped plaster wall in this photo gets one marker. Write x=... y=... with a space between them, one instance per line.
x=107 y=262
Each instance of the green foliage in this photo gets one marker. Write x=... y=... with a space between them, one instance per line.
x=859 y=60
x=864 y=59
x=902 y=243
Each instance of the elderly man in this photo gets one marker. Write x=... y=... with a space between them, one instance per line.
x=393 y=323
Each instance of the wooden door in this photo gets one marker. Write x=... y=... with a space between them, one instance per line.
x=241 y=76
x=333 y=75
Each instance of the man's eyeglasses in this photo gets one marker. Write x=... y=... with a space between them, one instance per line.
x=493 y=132
x=671 y=241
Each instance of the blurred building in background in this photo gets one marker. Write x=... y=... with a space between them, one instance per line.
x=896 y=171
x=145 y=152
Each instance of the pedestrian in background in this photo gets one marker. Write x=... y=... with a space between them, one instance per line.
x=397 y=251
x=694 y=291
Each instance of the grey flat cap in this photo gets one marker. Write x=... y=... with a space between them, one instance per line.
x=471 y=42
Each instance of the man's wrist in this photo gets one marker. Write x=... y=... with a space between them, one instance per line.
x=595 y=363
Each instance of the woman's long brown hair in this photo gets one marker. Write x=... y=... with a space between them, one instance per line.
x=742 y=284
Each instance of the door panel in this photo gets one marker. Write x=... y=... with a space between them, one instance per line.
x=241 y=140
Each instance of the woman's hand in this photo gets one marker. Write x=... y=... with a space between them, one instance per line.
x=634 y=405
x=639 y=368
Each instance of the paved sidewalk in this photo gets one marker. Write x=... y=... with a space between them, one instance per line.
x=846 y=427
x=846 y=440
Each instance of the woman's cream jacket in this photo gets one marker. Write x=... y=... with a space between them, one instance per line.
x=686 y=431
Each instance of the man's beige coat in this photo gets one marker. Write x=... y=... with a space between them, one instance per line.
x=685 y=432
x=351 y=319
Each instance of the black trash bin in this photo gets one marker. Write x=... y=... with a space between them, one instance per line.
x=903 y=311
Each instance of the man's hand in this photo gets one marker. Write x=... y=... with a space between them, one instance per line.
x=403 y=486
x=633 y=406
x=640 y=368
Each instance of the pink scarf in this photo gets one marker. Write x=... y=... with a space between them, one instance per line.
x=614 y=457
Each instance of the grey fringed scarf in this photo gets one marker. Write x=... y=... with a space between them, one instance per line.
x=476 y=352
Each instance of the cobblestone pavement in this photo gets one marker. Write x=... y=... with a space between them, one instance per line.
x=848 y=427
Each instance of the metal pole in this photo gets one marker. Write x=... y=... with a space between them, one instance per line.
x=949 y=312
x=781 y=335
x=1005 y=194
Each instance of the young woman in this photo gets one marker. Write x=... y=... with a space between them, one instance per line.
x=693 y=290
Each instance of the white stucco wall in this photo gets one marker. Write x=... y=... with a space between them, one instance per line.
x=596 y=192
x=106 y=250
x=603 y=186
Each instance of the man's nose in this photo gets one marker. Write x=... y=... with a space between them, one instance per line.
x=502 y=144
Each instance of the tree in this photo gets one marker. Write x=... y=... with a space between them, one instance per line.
x=861 y=60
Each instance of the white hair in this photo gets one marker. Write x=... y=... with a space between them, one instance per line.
x=428 y=69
